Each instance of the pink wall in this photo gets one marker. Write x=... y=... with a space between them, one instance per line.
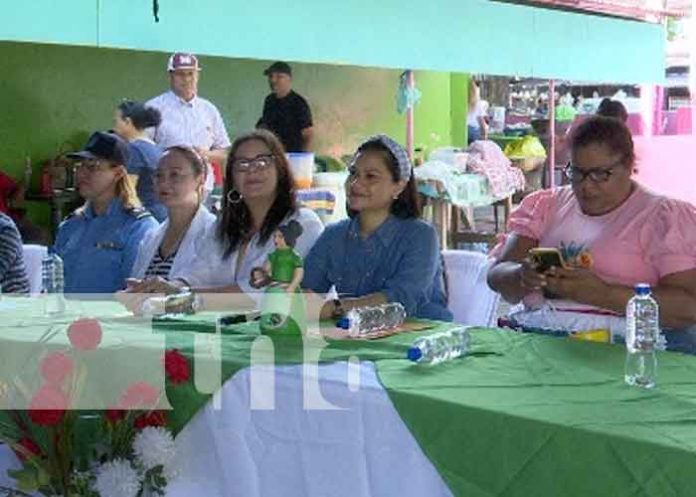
x=667 y=165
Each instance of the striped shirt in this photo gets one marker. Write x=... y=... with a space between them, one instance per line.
x=13 y=274
x=160 y=266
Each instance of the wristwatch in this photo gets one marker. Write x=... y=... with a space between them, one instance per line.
x=338 y=310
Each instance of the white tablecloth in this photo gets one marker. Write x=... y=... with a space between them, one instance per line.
x=361 y=450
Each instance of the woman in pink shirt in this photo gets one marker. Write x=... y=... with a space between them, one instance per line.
x=612 y=233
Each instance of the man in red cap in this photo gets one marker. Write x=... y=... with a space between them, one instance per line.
x=188 y=119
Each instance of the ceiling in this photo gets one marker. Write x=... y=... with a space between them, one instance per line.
x=643 y=10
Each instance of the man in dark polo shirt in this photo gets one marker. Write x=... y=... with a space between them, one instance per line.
x=285 y=112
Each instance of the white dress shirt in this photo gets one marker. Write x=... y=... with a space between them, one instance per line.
x=196 y=123
x=211 y=269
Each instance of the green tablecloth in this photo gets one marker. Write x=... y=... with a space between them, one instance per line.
x=522 y=415
x=530 y=415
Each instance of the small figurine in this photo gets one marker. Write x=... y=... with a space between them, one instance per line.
x=282 y=310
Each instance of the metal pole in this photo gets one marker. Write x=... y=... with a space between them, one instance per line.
x=411 y=83
x=550 y=182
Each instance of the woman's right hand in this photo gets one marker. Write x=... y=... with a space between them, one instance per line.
x=530 y=278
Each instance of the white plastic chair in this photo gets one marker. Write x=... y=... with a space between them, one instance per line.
x=33 y=255
x=471 y=300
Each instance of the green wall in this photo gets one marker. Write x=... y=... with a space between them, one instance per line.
x=53 y=96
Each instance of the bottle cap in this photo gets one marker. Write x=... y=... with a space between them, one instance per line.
x=343 y=323
x=642 y=289
x=414 y=354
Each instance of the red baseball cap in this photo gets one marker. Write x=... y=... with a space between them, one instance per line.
x=183 y=61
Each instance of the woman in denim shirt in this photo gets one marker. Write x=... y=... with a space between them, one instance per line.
x=384 y=252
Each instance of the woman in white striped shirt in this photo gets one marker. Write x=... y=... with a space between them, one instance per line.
x=166 y=252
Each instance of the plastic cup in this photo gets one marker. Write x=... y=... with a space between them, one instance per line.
x=302 y=167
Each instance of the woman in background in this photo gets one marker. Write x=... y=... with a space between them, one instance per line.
x=131 y=119
x=476 y=126
x=384 y=252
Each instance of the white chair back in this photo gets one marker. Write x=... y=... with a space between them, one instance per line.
x=33 y=255
x=471 y=300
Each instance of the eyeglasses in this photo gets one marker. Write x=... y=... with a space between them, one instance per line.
x=258 y=163
x=92 y=166
x=596 y=175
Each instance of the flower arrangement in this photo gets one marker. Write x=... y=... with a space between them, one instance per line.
x=122 y=451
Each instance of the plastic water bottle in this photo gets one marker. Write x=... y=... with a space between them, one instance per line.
x=642 y=332
x=365 y=320
x=440 y=347
x=52 y=283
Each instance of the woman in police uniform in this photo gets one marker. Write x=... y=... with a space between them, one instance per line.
x=99 y=241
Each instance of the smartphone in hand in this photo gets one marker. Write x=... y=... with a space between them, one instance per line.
x=546 y=258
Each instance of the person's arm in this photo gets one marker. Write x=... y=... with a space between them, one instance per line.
x=316 y=266
x=675 y=293
x=296 y=280
x=513 y=276
x=484 y=127
x=218 y=155
x=10 y=248
x=137 y=232
x=307 y=138
x=418 y=262
x=229 y=298
x=306 y=125
x=328 y=310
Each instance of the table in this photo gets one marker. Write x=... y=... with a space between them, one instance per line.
x=520 y=415
x=467 y=192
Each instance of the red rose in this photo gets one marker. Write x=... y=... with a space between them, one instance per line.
x=154 y=418
x=55 y=367
x=113 y=415
x=176 y=366
x=48 y=406
x=139 y=395
x=26 y=449
x=85 y=334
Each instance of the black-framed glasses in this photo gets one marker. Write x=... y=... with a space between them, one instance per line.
x=258 y=163
x=596 y=175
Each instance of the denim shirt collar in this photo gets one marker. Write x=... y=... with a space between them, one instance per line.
x=385 y=233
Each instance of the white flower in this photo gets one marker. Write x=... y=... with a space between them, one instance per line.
x=154 y=446
x=117 y=478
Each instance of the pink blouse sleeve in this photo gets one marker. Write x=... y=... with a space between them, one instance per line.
x=530 y=219
x=669 y=237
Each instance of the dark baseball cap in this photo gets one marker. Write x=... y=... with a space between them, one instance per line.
x=106 y=146
x=280 y=67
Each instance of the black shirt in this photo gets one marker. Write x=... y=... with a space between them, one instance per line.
x=287 y=117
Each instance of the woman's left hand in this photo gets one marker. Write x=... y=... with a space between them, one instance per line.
x=578 y=284
x=155 y=285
